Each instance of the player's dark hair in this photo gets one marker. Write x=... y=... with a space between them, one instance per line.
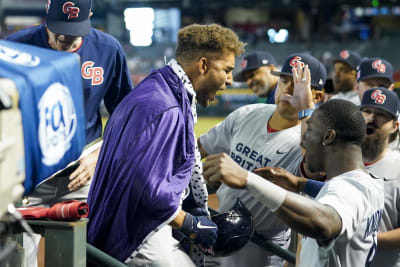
x=195 y=40
x=345 y=118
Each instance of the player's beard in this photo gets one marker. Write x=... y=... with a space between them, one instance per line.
x=343 y=86
x=373 y=146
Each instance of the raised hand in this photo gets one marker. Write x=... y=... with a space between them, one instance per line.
x=302 y=96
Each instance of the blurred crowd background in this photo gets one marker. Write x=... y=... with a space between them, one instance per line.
x=147 y=29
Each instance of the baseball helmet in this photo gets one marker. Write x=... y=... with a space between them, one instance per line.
x=235 y=228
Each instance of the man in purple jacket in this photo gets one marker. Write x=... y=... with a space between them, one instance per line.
x=149 y=151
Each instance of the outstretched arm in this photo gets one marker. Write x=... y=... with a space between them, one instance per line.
x=389 y=240
x=302 y=214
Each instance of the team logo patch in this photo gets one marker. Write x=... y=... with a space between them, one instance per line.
x=57 y=123
x=18 y=57
x=89 y=72
x=243 y=64
x=70 y=9
x=295 y=62
x=378 y=97
x=344 y=54
x=379 y=66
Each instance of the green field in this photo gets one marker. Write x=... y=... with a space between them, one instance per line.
x=202 y=126
x=206 y=123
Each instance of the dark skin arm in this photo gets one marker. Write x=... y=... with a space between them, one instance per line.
x=283 y=178
x=389 y=240
x=304 y=215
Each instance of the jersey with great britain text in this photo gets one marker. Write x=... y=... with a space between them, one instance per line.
x=244 y=137
x=104 y=72
x=357 y=198
x=388 y=169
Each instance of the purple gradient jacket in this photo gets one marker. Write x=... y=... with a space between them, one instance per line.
x=144 y=165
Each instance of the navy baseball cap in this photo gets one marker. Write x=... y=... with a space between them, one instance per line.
x=69 y=17
x=317 y=69
x=375 y=68
x=253 y=61
x=351 y=58
x=382 y=98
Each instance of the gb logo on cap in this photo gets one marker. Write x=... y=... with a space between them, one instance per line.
x=378 y=97
x=379 y=66
x=295 y=61
x=344 y=54
x=243 y=64
x=70 y=9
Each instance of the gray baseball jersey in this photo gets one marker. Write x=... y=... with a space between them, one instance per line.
x=244 y=136
x=351 y=96
x=358 y=199
x=388 y=168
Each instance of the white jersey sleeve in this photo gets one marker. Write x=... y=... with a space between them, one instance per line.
x=358 y=199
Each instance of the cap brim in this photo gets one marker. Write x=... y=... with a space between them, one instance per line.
x=81 y=28
x=377 y=76
x=344 y=61
x=279 y=73
x=380 y=107
x=238 y=77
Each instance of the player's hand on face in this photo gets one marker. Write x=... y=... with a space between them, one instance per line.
x=221 y=168
x=280 y=177
x=82 y=175
x=302 y=96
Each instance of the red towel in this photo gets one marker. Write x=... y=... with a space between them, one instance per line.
x=70 y=210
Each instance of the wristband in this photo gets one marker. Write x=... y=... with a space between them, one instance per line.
x=312 y=187
x=306 y=113
x=269 y=194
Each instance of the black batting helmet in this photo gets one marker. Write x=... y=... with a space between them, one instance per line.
x=235 y=228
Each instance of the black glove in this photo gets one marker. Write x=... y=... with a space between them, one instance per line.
x=200 y=229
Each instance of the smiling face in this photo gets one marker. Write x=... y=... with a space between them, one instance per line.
x=380 y=125
x=260 y=80
x=311 y=141
x=216 y=76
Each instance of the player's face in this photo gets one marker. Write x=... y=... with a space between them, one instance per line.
x=285 y=86
x=311 y=141
x=260 y=80
x=380 y=125
x=61 y=42
x=343 y=77
x=369 y=83
x=217 y=76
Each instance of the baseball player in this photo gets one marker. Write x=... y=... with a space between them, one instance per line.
x=256 y=71
x=341 y=224
x=380 y=108
x=105 y=74
x=261 y=135
x=344 y=76
x=372 y=73
x=149 y=152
